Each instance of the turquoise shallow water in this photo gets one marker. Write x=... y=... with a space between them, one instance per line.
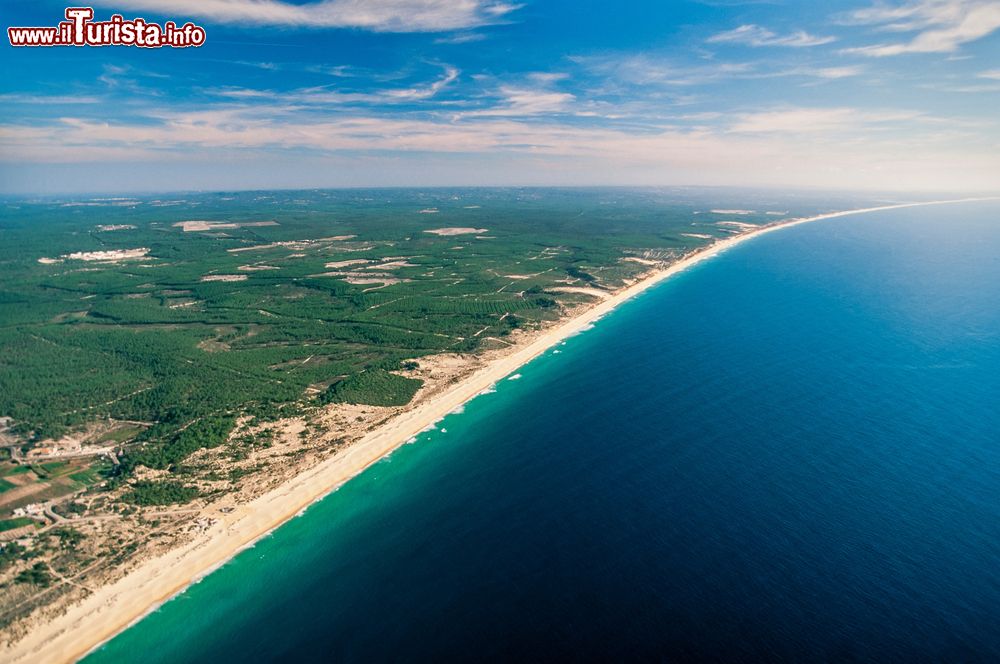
x=791 y=451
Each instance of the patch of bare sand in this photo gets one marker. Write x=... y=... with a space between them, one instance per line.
x=593 y=292
x=348 y=263
x=197 y=226
x=224 y=277
x=456 y=230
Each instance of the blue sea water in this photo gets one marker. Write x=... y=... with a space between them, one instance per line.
x=789 y=452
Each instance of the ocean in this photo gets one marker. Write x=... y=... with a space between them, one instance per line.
x=789 y=452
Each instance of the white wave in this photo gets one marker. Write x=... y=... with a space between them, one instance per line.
x=431 y=427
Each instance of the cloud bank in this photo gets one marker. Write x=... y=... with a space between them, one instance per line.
x=942 y=26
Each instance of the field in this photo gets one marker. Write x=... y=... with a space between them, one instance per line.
x=27 y=483
x=13 y=524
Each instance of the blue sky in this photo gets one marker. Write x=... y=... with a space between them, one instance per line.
x=892 y=95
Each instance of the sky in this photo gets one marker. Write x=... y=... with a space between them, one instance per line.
x=891 y=95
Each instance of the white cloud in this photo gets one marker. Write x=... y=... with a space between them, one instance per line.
x=831 y=73
x=427 y=91
x=942 y=26
x=376 y=15
x=827 y=122
x=755 y=35
x=461 y=38
x=825 y=73
x=518 y=152
x=993 y=74
x=646 y=70
x=325 y=96
x=522 y=101
x=651 y=69
x=546 y=77
x=17 y=98
x=969 y=89
x=834 y=147
x=540 y=153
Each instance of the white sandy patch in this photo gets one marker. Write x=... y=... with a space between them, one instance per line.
x=593 y=292
x=339 y=264
x=291 y=244
x=389 y=265
x=741 y=225
x=456 y=230
x=388 y=281
x=364 y=278
x=256 y=268
x=224 y=277
x=108 y=256
x=700 y=236
x=197 y=226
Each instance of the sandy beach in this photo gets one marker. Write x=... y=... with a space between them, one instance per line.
x=114 y=607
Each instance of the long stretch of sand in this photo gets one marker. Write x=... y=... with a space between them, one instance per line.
x=114 y=607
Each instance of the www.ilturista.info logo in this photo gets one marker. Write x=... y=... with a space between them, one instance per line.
x=79 y=29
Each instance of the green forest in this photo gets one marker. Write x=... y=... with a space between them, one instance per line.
x=267 y=303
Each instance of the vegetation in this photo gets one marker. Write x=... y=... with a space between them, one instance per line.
x=10 y=552
x=209 y=431
x=38 y=575
x=577 y=273
x=374 y=388
x=69 y=538
x=76 y=508
x=146 y=493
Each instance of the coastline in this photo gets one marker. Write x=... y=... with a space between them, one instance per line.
x=116 y=606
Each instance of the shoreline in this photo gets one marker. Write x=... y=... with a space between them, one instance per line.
x=119 y=605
